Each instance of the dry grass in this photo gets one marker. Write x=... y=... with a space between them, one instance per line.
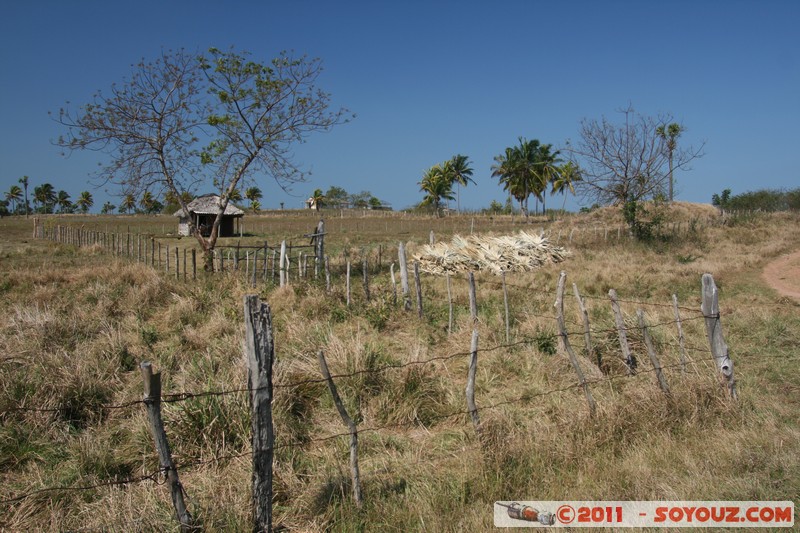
x=79 y=322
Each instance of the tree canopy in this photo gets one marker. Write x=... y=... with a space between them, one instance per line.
x=185 y=120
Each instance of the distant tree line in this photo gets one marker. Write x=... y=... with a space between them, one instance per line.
x=761 y=200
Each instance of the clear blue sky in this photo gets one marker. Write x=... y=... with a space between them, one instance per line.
x=430 y=79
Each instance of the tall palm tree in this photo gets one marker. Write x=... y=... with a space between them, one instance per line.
x=517 y=170
x=147 y=202
x=45 y=196
x=253 y=194
x=63 y=201
x=85 y=201
x=437 y=186
x=318 y=199
x=669 y=134
x=568 y=174
x=546 y=171
x=461 y=174
x=14 y=195
x=24 y=181
x=128 y=203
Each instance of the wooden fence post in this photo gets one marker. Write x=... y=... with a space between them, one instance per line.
x=401 y=256
x=470 y=391
x=418 y=285
x=587 y=332
x=351 y=426
x=320 y=247
x=450 y=306
x=562 y=333
x=152 y=402
x=282 y=268
x=505 y=305
x=627 y=356
x=327 y=275
x=394 y=284
x=473 y=300
x=651 y=351
x=347 y=284
x=719 y=349
x=260 y=354
x=680 y=331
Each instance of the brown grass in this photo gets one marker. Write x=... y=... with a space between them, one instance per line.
x=79 y=322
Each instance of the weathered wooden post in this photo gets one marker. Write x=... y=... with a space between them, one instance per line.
x=401 y=256
x=470 y=390
x=365 y=275
x=680 y=331
x=351 y=426
x=505 y=305
x=587 y=331
x=260 y=354
x=394 y=284
x=562 y=334
x=418 y=285
x=719 y=349
x=449 y=305
x=282 y=265
x=473 y=300
x=627 y=356
x=327 y=275
x=651 y=351
x=320 y=247
x=194 y=263
x=152 y=402
x=347 y=284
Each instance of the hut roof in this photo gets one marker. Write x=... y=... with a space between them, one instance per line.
x=208 y=204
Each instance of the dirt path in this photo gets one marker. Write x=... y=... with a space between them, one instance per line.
x=783 y=275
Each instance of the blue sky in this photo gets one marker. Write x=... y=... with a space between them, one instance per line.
x=430 y=79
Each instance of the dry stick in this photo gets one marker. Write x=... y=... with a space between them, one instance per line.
x=350 y=426
x=184 y=264
x=470 y=391
x=365 y=274
x=401 y=255
x=627 y=356
x=152 y=402
x=166 y=259
x=260 y=354
x=432 y=239
x=418 y=284
x=194 y=263
x=473 y=301
x=662 y=381
x=450 y=306
x=266 y=260
x=505 y=304
x=347 y=284
x=255 y=262
x=719 y=349
x=562 y=332
x=680 y=331
x=587 y=331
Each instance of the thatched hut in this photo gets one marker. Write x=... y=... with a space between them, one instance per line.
x=202 y=212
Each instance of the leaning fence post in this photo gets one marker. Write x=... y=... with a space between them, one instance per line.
x=627 y=356
x=323 y=365
x=470 y=391
x=719 y=349
x=651 y=351
x=450 y=306
x=394 y=284
x=562 y=333
x=152 y=402
x=260 y=354
x=587 y=331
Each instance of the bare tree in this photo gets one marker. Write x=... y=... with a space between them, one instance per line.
x=627 y=162
x=185 y=120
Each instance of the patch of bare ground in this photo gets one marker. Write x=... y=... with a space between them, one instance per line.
x=783 y=275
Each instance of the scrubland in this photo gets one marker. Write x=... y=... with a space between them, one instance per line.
x=78 y=322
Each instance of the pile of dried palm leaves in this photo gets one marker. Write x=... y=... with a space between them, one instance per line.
x=507 y=253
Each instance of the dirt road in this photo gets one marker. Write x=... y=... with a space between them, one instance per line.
x=783 y=275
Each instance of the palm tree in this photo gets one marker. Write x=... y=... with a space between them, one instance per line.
x=128 y=204
x=85 y=201
x=565 y=180
x=63 y=201
x=517 y=170
x=546 y=171
x=45 y=196
x=24 y=181
x=14 y=195
x=235 y=196
x=147 y=202
x=437 y=186
x=318 y=199
x=670 y=135
x=460 y=173
x=254 y=195
x=108 y=207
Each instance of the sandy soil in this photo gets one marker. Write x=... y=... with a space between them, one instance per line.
x=783 y=275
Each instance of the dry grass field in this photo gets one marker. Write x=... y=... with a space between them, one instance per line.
x=79 y=321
